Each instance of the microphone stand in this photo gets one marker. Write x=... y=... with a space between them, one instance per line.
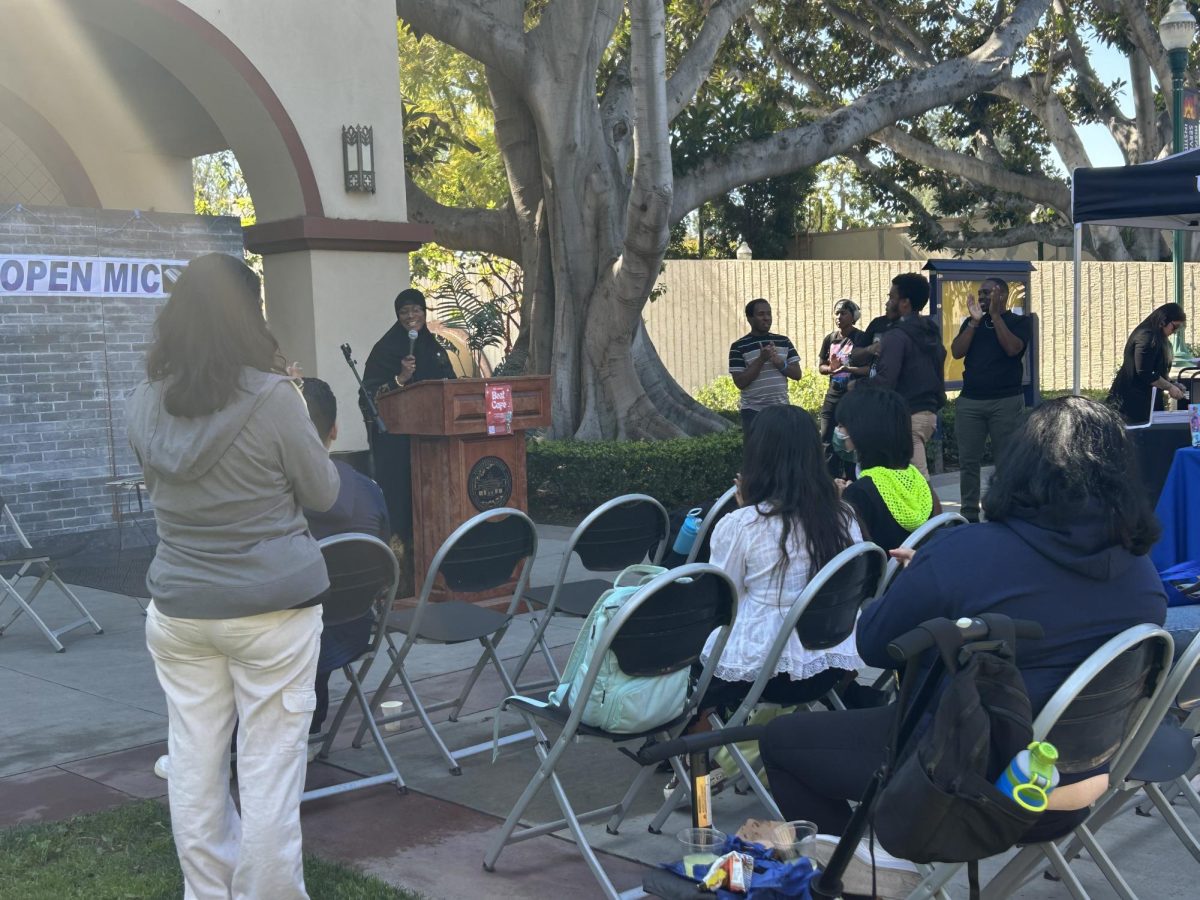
x=372 y=409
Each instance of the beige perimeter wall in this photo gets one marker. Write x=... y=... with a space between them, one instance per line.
x=700 y=314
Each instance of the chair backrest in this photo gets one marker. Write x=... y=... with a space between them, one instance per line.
x=829 y=604
x=363 y=574
x=664 y=627
x=616 y=533
x=9 y=518
x=483 y=552
x=1098 y=709
x=702 y=546
x=919 y=536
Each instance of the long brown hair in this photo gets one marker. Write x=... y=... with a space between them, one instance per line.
x=210 y=328
x=784 y=474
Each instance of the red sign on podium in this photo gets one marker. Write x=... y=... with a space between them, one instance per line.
x=498 y=402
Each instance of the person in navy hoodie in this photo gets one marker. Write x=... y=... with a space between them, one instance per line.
x=1065 y=545
x=360 y=508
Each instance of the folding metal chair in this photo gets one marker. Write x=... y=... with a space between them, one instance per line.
x=363 y=576
x=917 y=538
x=1163 y=752
x=702 y=546
x=481 y=554
x=616 y=534
x=1091 y=719
x=28 y=561
x=822 y=616
x=660 y=630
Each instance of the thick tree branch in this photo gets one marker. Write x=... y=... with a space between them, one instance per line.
x=697 y=62
x=797 y=148
x=467 y=27
x=484 y=230
x=1032 y=187
x=1088 y=80
x=1144 y=34
x=1053 y=116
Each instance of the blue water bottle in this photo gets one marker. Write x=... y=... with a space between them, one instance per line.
x=1031 y=776
x=687 y=532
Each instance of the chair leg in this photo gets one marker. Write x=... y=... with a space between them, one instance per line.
x=581 y=841
x=75 y=601
x=1016 y=872
x=1104 y=863
x=673 y=802
x=760 y=789
x=1172 y=818
x=1066 y=875
x=540 y=624
x=360 y=695
x=618 y=816
x=514 y=815
x=396 y=663
x=936 y=877
x=23 y=606
x=419 y=709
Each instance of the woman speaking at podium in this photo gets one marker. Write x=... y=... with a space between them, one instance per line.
x=408 y=353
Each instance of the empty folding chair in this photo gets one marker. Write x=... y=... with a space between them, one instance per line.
x=363 y=575
x=701 y=547
x=918 y=537
x=616 y=534
x=28 y=561
x=822 y=616
x=1090 y=719
x=481 y=554
x=659 y=631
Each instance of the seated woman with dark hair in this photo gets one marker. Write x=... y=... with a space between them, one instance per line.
x=891 y=496
x=1065 y=544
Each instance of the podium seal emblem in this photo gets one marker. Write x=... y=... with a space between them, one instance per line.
x=489 y=483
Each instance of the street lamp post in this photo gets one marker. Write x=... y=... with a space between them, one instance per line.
x=1177 y=30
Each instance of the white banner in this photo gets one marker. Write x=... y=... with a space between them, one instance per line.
x=87 y=276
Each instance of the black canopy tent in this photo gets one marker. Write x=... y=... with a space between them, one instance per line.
x=1163 y=194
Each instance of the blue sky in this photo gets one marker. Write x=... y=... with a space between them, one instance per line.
x=1110 y=65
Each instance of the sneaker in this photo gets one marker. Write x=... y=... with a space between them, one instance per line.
x=162 y=767
x=314 y=748
x=894 y=879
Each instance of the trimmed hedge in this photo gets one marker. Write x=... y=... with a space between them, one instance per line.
x=571 y=478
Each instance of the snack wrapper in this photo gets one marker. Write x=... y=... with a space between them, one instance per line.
x=731 y=872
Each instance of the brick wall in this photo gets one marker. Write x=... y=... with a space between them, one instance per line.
x=66 y=364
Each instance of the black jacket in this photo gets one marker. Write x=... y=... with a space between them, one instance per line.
x=911 y=362
x=1147 y=359
x=1067 y=575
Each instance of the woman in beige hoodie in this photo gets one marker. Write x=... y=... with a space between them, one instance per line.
x=230 y=457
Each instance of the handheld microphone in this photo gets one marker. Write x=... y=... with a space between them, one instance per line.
x=412 y=341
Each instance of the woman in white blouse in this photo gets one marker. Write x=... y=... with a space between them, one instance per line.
x=790 y=524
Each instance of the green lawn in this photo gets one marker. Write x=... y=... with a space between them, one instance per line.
x=127 y=854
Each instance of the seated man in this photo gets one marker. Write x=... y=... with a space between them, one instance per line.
x=359 y=508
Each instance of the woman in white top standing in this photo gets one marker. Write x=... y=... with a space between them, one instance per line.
x=790 y=524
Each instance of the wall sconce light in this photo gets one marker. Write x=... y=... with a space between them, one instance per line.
x=358 y=158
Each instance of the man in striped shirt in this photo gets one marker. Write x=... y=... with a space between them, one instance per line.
x=761 y=363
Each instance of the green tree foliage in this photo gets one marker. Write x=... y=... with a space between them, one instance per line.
x=219 y=188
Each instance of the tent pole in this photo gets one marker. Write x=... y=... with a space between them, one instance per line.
x=1078 y=341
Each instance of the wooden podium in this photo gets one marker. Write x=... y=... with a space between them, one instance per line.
x=459 y=469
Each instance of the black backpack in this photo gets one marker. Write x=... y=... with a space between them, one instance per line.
x=939 y=802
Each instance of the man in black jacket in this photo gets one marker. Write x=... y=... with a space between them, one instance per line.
x=911 y=359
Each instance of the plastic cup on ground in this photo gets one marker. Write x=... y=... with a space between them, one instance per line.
x=701 y=846
x=391 y=708
x=794 y=839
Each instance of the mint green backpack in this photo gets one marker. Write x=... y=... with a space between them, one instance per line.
x=619 y=703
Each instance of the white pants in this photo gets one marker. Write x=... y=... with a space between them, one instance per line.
x=258 y=669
